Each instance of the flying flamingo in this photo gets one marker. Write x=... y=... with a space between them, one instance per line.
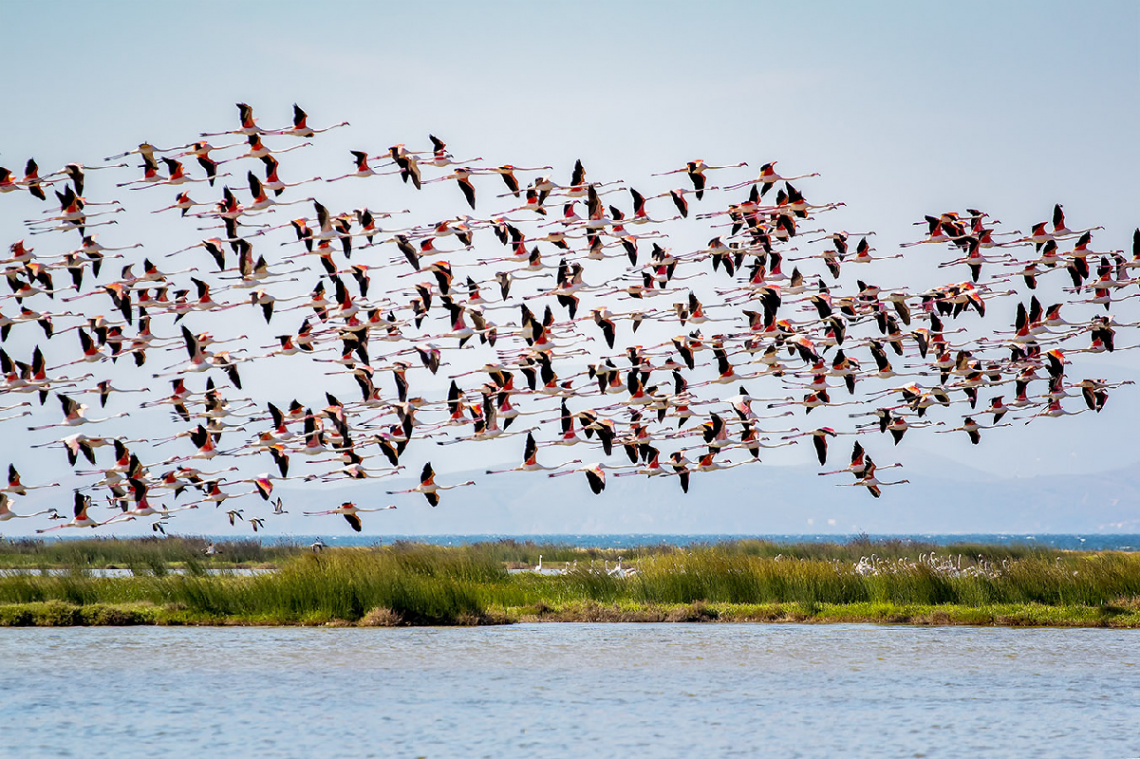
x=146 y=150
x=530 y=460
x=82 y=503
x=696 y=171
x=272 y=182
x=595 y=475
x=462 y=175
x=360 y=158
x=972 y=429
x=248 y=127
x=428 y=487
x=858 y=463
x=74 y=414
x=870 y=481
x=201 y=153
x=768 y=177
x=301 y=127
x=6 y=512
x=257 y=149
x=441 y=158
x=507 y=172
x=32 y=179
x=18 y=488
x=350 y=510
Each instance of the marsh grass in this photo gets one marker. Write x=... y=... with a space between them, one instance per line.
x=150 y=555
x=407 y=583
x=153 y=554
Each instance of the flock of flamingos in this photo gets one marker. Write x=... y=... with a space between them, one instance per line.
x=551 y=309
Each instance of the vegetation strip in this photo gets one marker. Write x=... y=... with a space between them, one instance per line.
x=496 y=583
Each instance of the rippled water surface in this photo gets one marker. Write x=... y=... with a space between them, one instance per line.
x=570 y=690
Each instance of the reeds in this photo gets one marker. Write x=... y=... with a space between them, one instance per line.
x=150 y=553
x=155 y=552
x=409 y=583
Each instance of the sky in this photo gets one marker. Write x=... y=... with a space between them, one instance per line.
x=905 y=109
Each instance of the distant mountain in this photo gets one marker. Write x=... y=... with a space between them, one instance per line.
x=942 y=497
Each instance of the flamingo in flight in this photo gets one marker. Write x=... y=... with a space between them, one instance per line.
x=350 y=512
x=301 y=126
x=428 y=486
x=595 y=476
x=530 y=460
x=696 y=172
x=6 y=512
x=81 y=518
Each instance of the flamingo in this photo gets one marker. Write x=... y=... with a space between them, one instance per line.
x=248 y=127
x=201 y=152
x=75 y=414
x=81 y=519
x=595 y=476
x=272 y=182
x=530 y=460
x=32 y=180
x=349 y=511
x=360 y=157
x=696 y=171
x=301 y=127
x=507 y=172
x=257 y=149
x=17 y=488
x=428 y=486
x=972 y=429
x=440 y=156
x=462 y=175
x=769 y=177
x=6 y=512
x=868 y=480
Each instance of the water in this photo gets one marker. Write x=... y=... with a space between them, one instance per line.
x=1073 y=542
x=1070 y=542
x=559 y=690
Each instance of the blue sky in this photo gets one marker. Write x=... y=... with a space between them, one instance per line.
x=904 y=108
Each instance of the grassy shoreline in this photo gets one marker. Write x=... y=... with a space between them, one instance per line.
x=64 y=614
x=413 y=584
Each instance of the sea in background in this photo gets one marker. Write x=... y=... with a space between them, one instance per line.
x=1088 y=542
x=560 y=690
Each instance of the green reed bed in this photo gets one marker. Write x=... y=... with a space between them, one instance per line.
x=716 y=576
x=150 y=553
x=410 y=583
x=418 y=586
x=154 y=552
x=525 y=553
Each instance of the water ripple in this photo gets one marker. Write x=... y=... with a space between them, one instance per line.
x=569 y=690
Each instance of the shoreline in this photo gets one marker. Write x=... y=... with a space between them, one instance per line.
x=1125 y=616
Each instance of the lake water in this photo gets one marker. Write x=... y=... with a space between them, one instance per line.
x=565 y=690
x=1071 y=542
x=1068 y=541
